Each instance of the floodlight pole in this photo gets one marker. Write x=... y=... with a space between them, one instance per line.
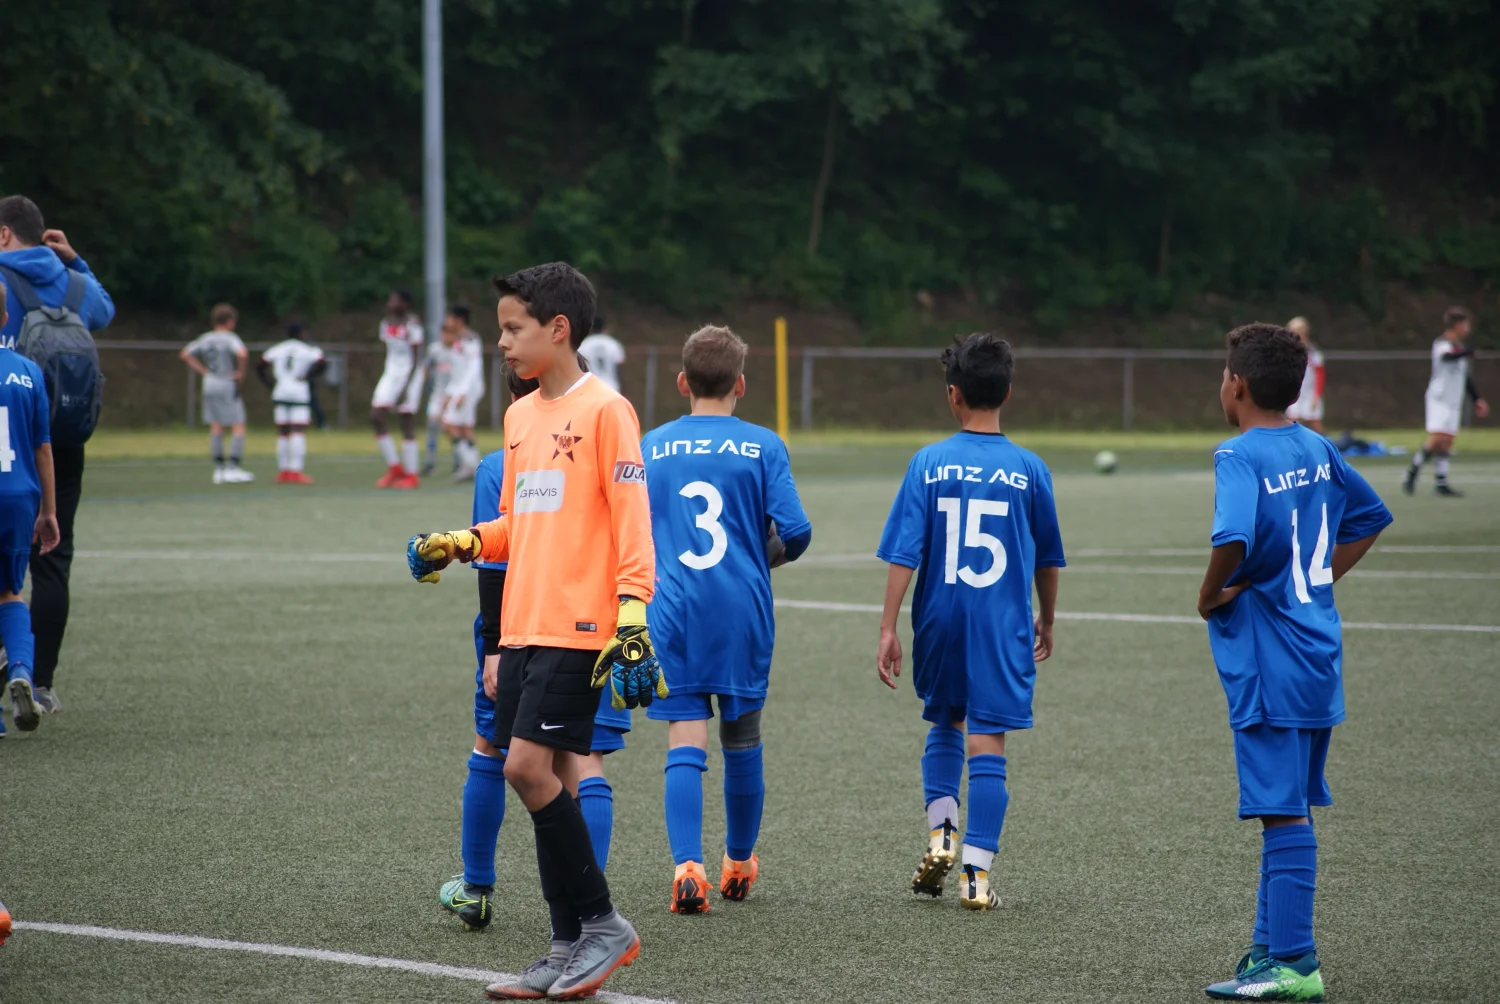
x=434 y=237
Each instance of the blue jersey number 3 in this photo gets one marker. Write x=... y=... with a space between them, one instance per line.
x=707 y=520
x=974 y=536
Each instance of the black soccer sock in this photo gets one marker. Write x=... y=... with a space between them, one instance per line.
x=560 y=825
x=565 y=923
x=1418 y=459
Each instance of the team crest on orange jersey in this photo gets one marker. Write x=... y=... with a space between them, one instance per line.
x=565 y=441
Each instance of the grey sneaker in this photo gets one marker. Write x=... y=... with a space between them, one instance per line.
x=607 y=944
x=536 y=980
x=23 y=708
x=46 y=700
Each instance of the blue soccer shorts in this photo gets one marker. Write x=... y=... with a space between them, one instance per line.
x=699 y=707
x=610 y=725
x=1281 y=770
x=976 y=723
x=17 y=527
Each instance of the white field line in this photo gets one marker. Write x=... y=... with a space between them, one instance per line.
x=290 y=951
x=1075 y=615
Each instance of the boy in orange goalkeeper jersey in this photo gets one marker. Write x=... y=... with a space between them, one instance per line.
x=575 y=526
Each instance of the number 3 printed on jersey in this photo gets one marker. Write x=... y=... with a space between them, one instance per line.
x=1318 y=574
x=974 y=536
x=707 y=520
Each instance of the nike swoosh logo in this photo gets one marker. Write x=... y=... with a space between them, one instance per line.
x=514 y=445
x=549 y=728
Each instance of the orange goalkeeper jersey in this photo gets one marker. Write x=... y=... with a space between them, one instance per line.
x=575 y=519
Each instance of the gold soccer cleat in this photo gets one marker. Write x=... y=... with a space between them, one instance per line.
x=976 y=893
x=941 y=856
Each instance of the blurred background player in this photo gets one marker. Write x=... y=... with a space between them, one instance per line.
x=468 y=895
x=975 y=515
x=287 y=367
x=399 y=390
x=439 y=365
x=28 y=514
x=1308 y=408
x=463 y=390
x=1282 y=496
x=1446 y=390
x=604 y=354
x=715 y=484
x=218 y=356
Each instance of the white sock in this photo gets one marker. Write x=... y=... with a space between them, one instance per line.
x=940 y=809
x=283 y=454
x=471 y=454
x=978 y=857
x=409 y=456
x=298 y=450
x=387 y=448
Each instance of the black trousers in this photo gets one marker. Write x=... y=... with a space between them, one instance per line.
x=49 y=572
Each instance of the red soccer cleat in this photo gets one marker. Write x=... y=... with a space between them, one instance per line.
x=283 y=477
x=406 y=482
x=297 y=478
x=393 y=474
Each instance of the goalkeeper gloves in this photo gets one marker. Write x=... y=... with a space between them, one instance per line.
x=428 y=554
x=629 y=662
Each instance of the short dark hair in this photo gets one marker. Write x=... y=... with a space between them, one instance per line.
x=1452 y=317
x=23 y=217
x=553 y=289
x=713 y=358
x=405 y=295
x=1271 y=360
x=980 y=366
x=223 y=313
x=460 y=311
x=598 y=321
x=295 y=330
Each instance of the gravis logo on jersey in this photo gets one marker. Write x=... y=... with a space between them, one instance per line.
x=20 y=378
x=702 y=447
x=976 y=475
x=539 y=491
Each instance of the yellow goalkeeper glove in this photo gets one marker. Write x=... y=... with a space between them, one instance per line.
x=628 y=663
x=428 y=554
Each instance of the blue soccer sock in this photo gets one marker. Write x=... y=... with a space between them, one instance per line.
x=15 y=634
x=484 y=810
x=597 y=800
x=1291 y=862
x=1262 y=933
x=942 y=770
x=684 y=802
x=744 y=800
x=987 y=801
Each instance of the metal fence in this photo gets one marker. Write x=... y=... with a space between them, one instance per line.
x=1105 y=388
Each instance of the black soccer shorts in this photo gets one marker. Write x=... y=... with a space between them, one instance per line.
x=543 y=695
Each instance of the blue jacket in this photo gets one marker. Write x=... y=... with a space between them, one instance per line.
x=46 y=272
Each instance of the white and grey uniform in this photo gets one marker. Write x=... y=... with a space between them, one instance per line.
x=439 y=365
x=291 y=360
x=604 y=354
x=219 y=352
x=1309 y=404
x=1446 y=389
x=465 y=381
x=400 y=385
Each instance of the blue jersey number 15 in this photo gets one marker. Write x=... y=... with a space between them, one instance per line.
x=974 y=536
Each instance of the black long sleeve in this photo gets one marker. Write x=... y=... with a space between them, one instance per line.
x=491 y=590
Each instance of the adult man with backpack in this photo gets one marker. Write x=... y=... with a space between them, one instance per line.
x=55 y=303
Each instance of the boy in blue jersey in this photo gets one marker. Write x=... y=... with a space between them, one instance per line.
x=28 y=513
x=1290 y=518
x=717 y=485
x=976 y=519
x=469 y=894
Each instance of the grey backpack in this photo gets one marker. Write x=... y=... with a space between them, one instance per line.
x=57 y=340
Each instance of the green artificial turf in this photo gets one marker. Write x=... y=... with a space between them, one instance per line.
x=269 y=746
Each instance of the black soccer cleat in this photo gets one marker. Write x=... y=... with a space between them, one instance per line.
x=1447 y=491
x=1409 y=483
x=471 y=903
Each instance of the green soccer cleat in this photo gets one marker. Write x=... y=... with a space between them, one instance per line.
x=471 y=903
x=941 y=856
x=1254 y=956
x=1273 y=980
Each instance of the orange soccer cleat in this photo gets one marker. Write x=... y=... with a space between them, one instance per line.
x=736 y=877
x=690 y=888
x=392 y=474
x=4 y=923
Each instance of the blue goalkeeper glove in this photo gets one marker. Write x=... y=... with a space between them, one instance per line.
x=427 y=554
x=628 y=663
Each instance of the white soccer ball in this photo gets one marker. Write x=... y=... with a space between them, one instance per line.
x=1105 y=462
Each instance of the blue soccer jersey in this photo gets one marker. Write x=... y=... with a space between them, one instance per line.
x=1288 y=495
x=25 y=418
x=975 y=516
x=714 y=481
x=487 y=478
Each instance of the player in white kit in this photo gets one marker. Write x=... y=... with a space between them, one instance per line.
x=218 y=356
x=604 y=353
x=1308 y=408
x=1446 y=391
x=439 y=363
x=399 y=390
x=286 y=368
x=464 y=389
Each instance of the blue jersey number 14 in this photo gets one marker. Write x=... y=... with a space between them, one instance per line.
x=7 y=455
x=1318 y=574
x=974 y=536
